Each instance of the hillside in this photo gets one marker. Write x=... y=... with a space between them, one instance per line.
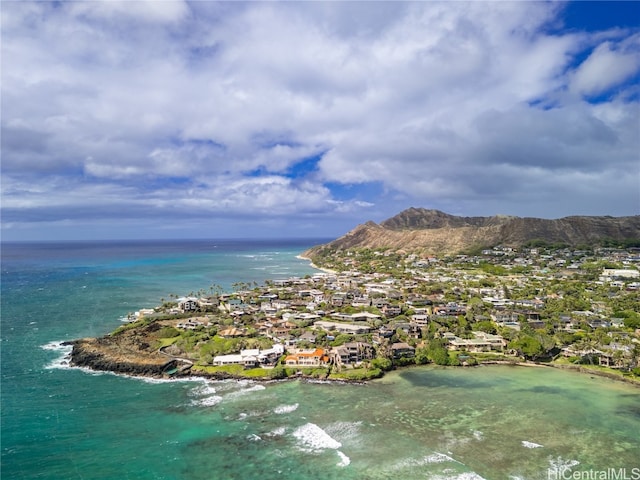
x=438 y=233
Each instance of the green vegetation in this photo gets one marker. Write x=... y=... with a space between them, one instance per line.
x=357 y=374
x=234 y=370
x=556 y=303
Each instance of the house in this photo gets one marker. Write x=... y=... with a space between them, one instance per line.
x=483 y=342
x=307 y=336
x=613 y=273
x=383 y=334
x=352 y=353
x=304 y=316
x=364 y=317
x=143 y=312
x=617 y=322
x=187 y=304
x=355 y=317
x=208 y=303
x=575 y=351
x=307 y=358
x=420 y=320
x=504 y=317
x=252 y=357
x=280 y=304
x=597 y=323
x=409 y=328
x=536 y=324
x=380 y=303
x=391 y=310
x=349 y=328
x=268 y=309
x=450 y=309
x=361 y=301
x=193 y=323
x=402 y=350
x=317 y=296
x=338 y=299
x=278 y=331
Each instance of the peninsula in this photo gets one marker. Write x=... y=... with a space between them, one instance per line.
x=373 y=309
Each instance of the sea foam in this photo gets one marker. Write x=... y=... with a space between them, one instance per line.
x=344 y=431
x=313 y=438
x=206 y=394
x=244 y=391
x=64 y=351
x=562 y=465
x=344 y=460
x=435 y=457
x=277 y=432
x=459 y=476
x=285 y=409
x=527 y=444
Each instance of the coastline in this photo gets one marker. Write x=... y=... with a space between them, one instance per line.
x=85 y=355
x=133 y=357
x=158 y=367
x=313 y=265
x=575 y=368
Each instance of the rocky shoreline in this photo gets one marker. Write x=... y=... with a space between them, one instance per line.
x=92 y=353
x=98 y=354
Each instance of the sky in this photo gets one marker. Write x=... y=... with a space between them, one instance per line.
x=173 y=119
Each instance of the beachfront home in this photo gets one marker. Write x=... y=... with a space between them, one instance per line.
x=483 y=342
x=402 y=350
x=307 y=358
x=352 y=353
x=251 y=358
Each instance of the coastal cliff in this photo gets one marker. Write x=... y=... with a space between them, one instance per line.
x=103 y=354
x=437 y=233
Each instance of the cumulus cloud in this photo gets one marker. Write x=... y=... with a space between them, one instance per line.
x=150 y=109
x=609 y=65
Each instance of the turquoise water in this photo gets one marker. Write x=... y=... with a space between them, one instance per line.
x=434 y=423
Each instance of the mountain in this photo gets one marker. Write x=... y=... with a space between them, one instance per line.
x=435 y=232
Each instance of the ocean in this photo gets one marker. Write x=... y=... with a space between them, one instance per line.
x=59 y=422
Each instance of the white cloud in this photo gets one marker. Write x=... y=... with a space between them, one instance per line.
x=167 y=105
x=609 y=65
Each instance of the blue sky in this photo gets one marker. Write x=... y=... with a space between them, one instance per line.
x=162 y=119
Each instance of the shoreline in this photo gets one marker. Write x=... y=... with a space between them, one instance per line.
x=100 y=354
x=82 y=359
x=575 y=368
x=313 y=265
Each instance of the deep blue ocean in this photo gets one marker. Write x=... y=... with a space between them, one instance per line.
x=60 y=422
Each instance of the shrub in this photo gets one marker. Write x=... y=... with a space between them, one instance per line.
x=278 y=372
x=168 y=332
x=382 y=363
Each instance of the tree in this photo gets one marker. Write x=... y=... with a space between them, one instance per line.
x=486 y=326
x=527 y=346
x=278 y=372
x=437 y=352
x=422 y=356
x=382 y=363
